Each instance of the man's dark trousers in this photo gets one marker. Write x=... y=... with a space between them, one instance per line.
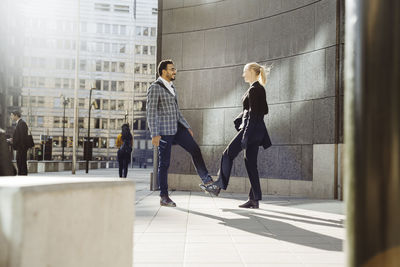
x=21 y=162
x=185 y=140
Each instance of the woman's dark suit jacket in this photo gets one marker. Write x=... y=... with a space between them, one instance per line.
x=251 y=120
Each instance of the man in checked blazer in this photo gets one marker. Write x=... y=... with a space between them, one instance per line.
x=168 y=126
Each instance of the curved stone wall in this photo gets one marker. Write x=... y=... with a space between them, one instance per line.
x=210 y=41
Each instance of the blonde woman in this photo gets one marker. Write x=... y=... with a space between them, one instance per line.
x=252 y=133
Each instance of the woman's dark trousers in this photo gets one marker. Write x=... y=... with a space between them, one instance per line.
x=250 y=160
x=123 y=163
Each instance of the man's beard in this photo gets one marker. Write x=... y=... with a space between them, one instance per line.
x=172 y=78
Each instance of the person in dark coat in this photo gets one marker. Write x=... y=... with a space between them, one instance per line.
x=124 y=151
x=6 y=166
x=252 y=133
x=19 y=142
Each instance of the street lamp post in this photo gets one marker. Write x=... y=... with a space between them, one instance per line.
x=65 y=102
x=88 y=133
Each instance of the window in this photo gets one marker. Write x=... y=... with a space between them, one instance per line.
x=123 y=30
x=106 y=85
x=145 y=50
x=82 y=84
x=65 y=83
x=101 y=7
x=143 y=87
x=42 y=63
x=153 y=31
x=104 y=124
x=58 y=63
x=115 y=48
x=81 y=103
x=106 y=47
x=56 y=121
x=106 y=66
x=60 y=44
x=122 y=49
x=152 y=50
x=113 y=86
x=83 y=26
x=121 y=8
x=98 y=84
x=99 y=47
x=67 y=44
x=58 y=83
x=107 y=28
x=121 y=86
x=99 y=28
x=83 y=65
x=104 y=141
x=138 y=49
x=121 y=105
x=112 y=105
x=115 y=29
x=113 y=66
x=120 y=122
x=145 y=69
x=67 y=64
x=81 y=121
x=98 y=65
x=40 y=102
x=138 y=30
x=122 y=67
x=136 y=86
x=39 y=121
x=152 y=69
x=112 y=123
x=154 y=11
x=83 y=45
x=105 y=104
x=137 y=68
x=41 y=81
x=97 y=126
x=145 y=31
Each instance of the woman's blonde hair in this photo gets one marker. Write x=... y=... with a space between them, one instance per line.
x=261 y=71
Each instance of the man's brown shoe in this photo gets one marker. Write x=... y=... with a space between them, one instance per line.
x=166 y=201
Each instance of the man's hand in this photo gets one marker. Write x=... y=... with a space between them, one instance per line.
x=191 y=132
x=156 y=140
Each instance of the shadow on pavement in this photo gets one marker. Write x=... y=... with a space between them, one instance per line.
x=281 y=230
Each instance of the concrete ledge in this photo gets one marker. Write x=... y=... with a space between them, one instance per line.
x=56 y=166
x=297 y=188
x=66 y=221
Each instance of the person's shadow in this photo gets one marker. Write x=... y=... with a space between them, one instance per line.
x=271 y=226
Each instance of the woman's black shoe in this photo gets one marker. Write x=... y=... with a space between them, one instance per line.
x=250 y=204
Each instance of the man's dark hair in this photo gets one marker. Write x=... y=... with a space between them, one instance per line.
x=16 y=113
x=163 y=65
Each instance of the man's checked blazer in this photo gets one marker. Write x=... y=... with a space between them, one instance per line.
x=162 y=110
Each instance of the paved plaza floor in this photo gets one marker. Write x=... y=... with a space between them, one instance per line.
x=212 y=231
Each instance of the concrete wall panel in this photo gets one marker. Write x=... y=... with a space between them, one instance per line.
x=219 y=37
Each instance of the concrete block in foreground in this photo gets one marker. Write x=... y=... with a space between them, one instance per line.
x=68 y=221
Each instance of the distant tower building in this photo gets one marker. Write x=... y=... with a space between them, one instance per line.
x=145 y=41
x=108 y=65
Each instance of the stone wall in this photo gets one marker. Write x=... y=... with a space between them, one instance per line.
x=210 y=42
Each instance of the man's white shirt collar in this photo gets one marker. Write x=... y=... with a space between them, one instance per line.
x=168 y=85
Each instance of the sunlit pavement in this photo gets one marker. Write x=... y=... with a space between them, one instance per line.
x=209 y=231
